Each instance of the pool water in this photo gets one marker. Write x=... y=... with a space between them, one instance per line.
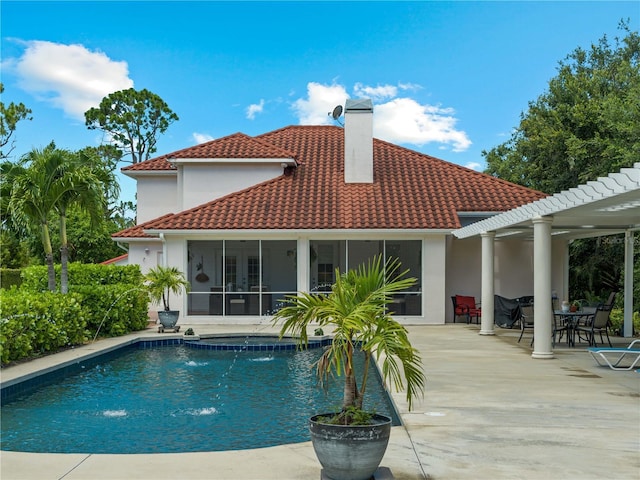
x=178 y=399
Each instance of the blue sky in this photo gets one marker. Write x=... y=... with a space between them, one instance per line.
x=447 y=78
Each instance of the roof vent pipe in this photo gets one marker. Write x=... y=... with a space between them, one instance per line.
x=358 y=141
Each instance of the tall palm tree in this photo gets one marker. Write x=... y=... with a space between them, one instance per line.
x=78 y=185
x=357 y=309
x=50 y=181
x=34 y=193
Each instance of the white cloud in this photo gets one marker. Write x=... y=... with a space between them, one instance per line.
x=321 y=100
x=255 y=108
x=414 y=87
x=474 y=166
x=70 y=77
x=398 y=120
x=403 y=120
x=378 y=93
x=201 y=137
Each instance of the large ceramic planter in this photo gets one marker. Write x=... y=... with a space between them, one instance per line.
x=350 y=452
x=168 y=319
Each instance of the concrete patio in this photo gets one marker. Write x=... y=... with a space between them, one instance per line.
x=490 y=411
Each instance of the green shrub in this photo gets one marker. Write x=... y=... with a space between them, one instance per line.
x=114 y=309
x=617 y=320
x=103 y=300
x=10 y=277
x=31 y=324
x=80 y=274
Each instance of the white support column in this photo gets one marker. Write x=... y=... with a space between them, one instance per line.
x=303 y=264
x=628 y=283
x=487 y=320
x=543 y=315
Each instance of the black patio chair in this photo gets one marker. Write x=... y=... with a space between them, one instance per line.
x=598 y=325
x=526 y=320
x=561 y=326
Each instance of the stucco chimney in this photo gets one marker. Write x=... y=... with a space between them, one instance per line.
x=358 y=141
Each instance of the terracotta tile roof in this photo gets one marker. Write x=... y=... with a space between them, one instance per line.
x=237 y=145
x=137 y=231
x=115 y=259
x=153 y=164
x=411 y=190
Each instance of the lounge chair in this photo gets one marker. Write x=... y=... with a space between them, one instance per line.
x=613 y=357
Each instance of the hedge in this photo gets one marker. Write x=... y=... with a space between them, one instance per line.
x=35 y=278
x=10 y=277
x=114 y=309
x=103 y=300
x=31 y=324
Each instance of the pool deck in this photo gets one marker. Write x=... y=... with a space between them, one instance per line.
x=490 y=411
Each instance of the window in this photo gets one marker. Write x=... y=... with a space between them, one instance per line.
x=325 y=274
x=243 y=277
x=325 y=255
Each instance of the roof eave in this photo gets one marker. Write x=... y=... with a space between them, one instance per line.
x=290 y=162
x=148 y=173
x=318 y=232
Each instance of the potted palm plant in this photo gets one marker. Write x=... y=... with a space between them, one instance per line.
x=350 y=443
x=161 y=283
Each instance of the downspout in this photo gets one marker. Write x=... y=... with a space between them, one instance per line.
x=164 y=250
x=119 y=245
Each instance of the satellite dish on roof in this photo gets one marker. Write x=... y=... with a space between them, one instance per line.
x=336 y=113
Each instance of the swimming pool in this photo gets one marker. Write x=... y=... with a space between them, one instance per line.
x=177 y=399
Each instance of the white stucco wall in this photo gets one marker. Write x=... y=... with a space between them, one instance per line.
x=513 y=265
x=202 y=183
x=450 y=266
x=464 y=270
x=513 y=268
x=147 y=254
x=434 y=276
x=157 y=196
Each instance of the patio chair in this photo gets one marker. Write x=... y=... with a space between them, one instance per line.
x=465 y=306
x=561 y=326
x=526 y=320
x=598 y=325
x=614 y=357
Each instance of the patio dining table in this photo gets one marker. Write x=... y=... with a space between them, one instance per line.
x=572 y=320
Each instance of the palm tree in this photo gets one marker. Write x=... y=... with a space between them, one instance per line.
x=357 y=309
x=162 y=281
x=33 y=196
x=79 y=185
x=49 y=181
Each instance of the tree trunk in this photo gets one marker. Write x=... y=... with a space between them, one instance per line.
x=64 y=255
x=51 y=273
x=48 y=252
x=350 y=390
x=64 y=270
x=365 y=376
x=350 y=386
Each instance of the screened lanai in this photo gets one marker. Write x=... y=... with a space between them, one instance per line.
x=607 y=206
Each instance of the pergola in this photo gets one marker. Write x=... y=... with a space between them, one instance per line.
x=607 y=206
